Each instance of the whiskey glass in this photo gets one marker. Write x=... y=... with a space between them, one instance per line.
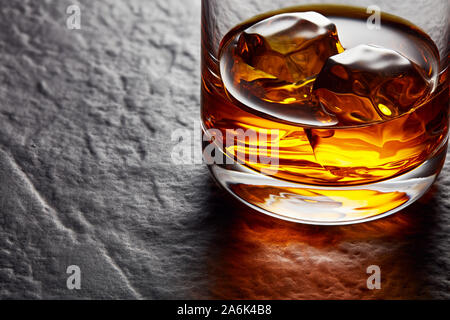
x=324 y=112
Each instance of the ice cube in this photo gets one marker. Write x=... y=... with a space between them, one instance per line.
x=290 y=46
x=368 y=83
x=270 y=67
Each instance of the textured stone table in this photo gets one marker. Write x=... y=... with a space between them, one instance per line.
x=86 y=118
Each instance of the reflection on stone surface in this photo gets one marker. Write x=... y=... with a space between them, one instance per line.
x=264 y=258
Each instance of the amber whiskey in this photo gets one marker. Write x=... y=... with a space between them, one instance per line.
x=351 y=107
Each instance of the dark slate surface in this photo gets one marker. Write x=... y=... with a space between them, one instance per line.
x=86 y=118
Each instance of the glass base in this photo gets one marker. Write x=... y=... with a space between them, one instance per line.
x=311 y=204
